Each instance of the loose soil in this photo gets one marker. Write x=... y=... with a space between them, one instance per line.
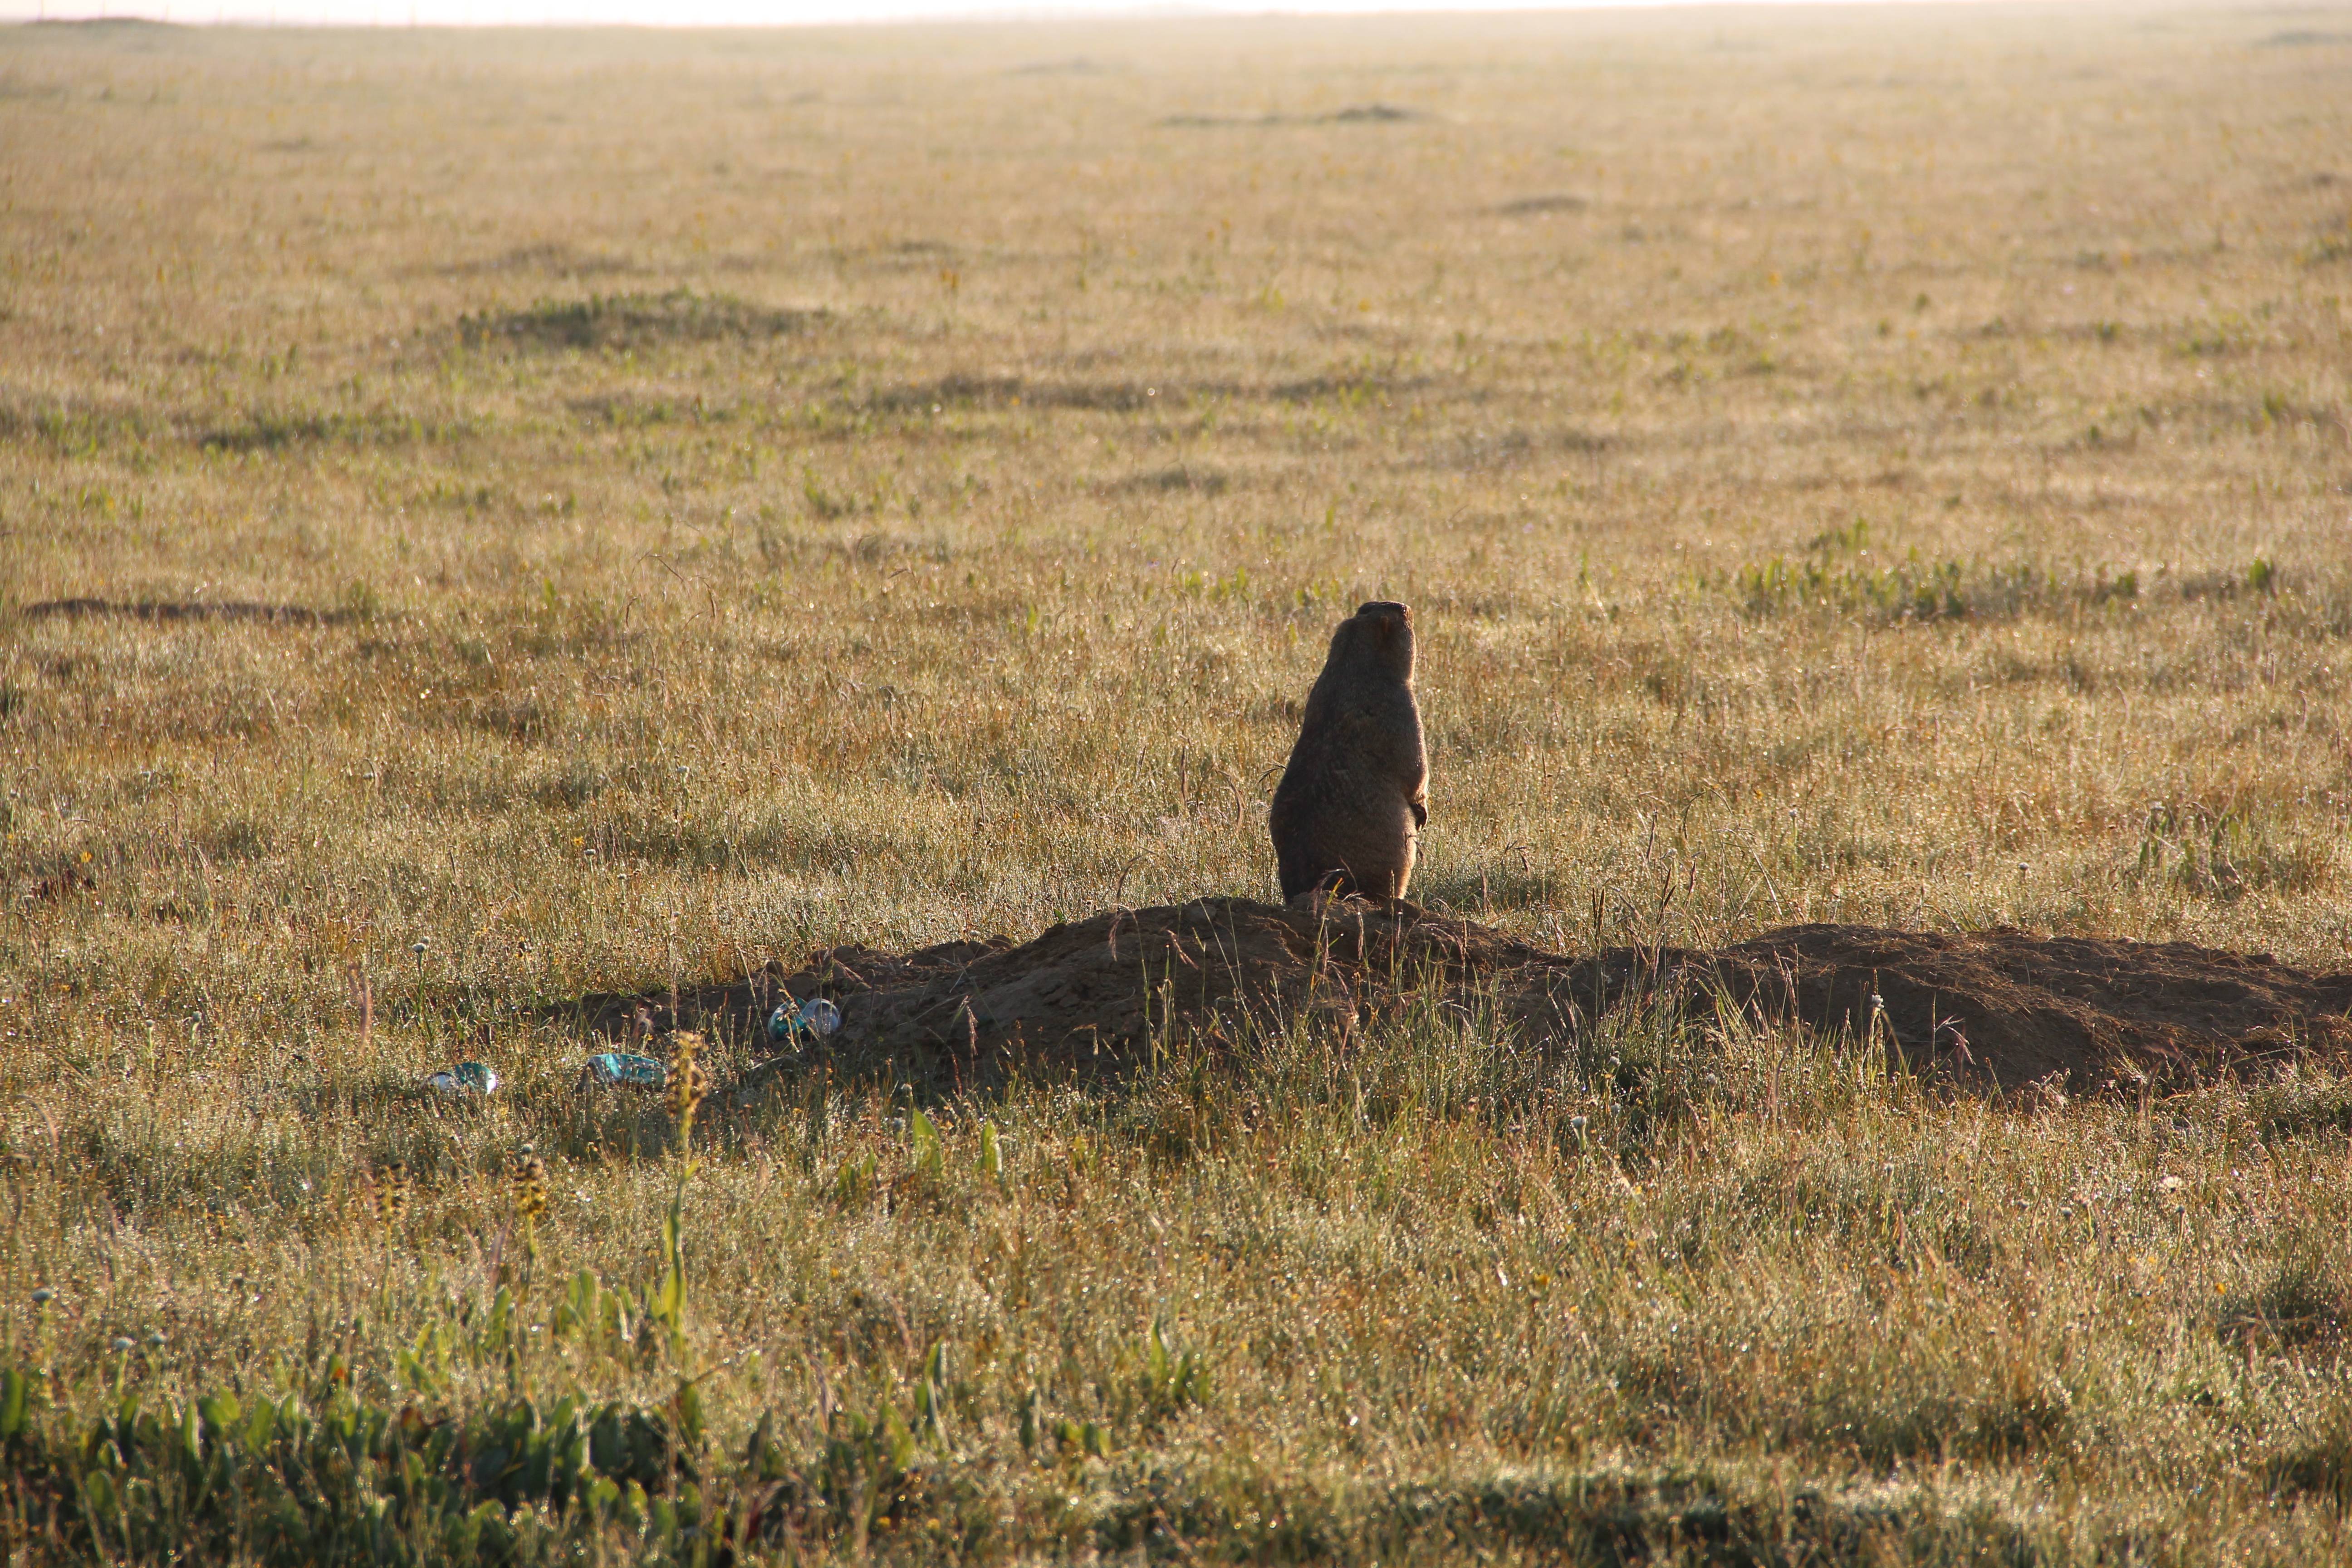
x=1998 y=1008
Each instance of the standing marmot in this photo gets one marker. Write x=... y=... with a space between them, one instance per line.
x=1356 y=791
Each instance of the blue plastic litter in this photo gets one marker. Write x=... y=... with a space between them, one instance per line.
x=795 y=1021
x=465 y=1078
x=621 y=1068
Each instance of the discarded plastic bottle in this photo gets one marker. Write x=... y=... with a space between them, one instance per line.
x=622 y=1068
x=794 y=1021
x=465 y=1078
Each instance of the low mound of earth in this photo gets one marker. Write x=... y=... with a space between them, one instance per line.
x=2000 y=1007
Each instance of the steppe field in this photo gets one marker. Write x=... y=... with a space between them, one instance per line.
x=491 y=522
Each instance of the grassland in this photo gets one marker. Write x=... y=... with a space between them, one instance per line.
x=744 y=493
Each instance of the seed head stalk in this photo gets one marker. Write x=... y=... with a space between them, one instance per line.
x=687 y=1085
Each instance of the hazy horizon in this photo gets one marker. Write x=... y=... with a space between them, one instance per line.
x=776 y=13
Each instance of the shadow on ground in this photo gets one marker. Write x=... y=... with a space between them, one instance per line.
x=212 y=610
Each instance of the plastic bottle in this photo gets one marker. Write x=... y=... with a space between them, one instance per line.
x=623 y=1068
x=794 y=1022
x=465 y=1078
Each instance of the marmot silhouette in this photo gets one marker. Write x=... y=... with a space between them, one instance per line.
x=1355 y=793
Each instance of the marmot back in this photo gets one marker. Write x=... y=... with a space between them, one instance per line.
x=1355 y=795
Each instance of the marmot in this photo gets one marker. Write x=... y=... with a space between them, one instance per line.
x=1355 y=793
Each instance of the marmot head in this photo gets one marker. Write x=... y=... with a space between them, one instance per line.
x=1379 y=633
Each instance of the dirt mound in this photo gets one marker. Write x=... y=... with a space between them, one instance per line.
x=2019 y=1007
x=1998 y=1007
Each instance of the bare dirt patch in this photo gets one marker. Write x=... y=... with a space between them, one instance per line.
x=1998 y=1009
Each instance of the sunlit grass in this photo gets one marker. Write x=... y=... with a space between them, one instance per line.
x=571 y=514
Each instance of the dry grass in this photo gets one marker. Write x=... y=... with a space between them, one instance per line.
x=760 y=492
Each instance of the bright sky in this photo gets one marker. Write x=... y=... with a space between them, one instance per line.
x=722 y=13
